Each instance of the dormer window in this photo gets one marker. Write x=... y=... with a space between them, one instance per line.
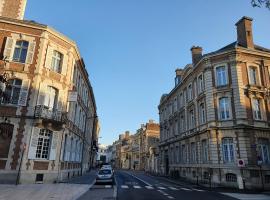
x=20 y=51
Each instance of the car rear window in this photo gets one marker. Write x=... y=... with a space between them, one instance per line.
x=104 y=172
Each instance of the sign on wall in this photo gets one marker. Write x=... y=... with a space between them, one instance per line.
x=72 y=96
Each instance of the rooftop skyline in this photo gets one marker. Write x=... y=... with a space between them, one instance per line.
x=131 y=49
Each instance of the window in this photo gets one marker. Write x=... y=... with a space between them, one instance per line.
x=221 y=76
x=56 y=61
x=256 y=109
x=6 y=132
x=202 y=113
x=20 y=51
x=182 y=123
x=253 y=76
x=190 y=96
x=224 y=110
x=184 y=154
x=228 y=150
x=181 y=100
x=263 y=150
x=200 y=84
x=231 y=177
x=51 y=98
x=191 y=119
x=175 y=105
x=193 y=152
x=44 y=141
x=12 y=93
x=204 y=151
x=176 y=155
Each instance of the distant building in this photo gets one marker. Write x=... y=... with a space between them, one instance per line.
x=48 y=113
x=215 y=121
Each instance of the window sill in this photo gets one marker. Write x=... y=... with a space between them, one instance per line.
x=9 y=105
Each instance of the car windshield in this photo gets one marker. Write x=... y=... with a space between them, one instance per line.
x=104 y=172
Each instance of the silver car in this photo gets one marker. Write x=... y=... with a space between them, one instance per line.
x=105 y=176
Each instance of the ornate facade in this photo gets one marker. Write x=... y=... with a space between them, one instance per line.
x=215 y=122
x=48 y=111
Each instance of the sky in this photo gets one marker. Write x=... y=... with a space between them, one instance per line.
x=131 y=48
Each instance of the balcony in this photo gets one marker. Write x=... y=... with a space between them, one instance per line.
x=46 y=116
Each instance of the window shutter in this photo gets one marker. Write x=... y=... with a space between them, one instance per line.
x=67 y=149
x=41 y=95
x=48 y=62
x=53 y=146
x=30 y=52
x=34 y=143
x=24 y=93
x=8 y=52
x=64 y=65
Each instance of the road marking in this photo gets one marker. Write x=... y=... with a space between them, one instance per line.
x=162 y=188
x=108 y=186
x=115 y=191
x=139 y=179
x=124 y=186
x=170 y=197
x=185 y=189
x=149 y=187
x=137 y=186
x=198 y=190
x=164 y=193
x=173 y=188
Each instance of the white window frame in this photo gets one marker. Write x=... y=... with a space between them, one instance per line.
x=257 y=80
x=224 y=81
x=57 y=57
x=257 y=109
x=264 y=150
x=190 y=92
x=202 y=113
x=44 y=135
x=200 y=83
x=224 y=107
x=228 y=150
x=13 y=87
x=20 y=48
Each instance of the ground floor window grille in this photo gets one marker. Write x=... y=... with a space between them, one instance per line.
x=43 y=146
x=206 y=175
x=231 y=177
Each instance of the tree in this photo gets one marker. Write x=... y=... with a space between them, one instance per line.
x=260 y=3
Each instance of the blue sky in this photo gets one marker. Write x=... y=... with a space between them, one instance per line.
x=132 y=47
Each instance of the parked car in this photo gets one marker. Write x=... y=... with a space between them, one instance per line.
x=105 y=176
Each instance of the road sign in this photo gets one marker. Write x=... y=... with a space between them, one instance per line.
x=241 y=163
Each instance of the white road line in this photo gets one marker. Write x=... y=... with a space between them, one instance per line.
x=198 y=190
x=149 y=187
x=185 y=189
x=162 y=192
x=139 y=179
x=108 y=186
x=173 y=188
x=170 y=197
x=137 y=186
x=124 y=186
x=162 y=188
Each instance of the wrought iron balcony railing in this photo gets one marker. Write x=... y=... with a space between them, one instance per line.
x=44 y=112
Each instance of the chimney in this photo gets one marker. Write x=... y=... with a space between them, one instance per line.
x=178 y=76
x=12 y=8
x=196 y=52
x=244 y=32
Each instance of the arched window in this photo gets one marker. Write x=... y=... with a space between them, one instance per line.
x=6 y=131
x=228 y=150
x=20 y=51
x=12 y=91
x=231 y=177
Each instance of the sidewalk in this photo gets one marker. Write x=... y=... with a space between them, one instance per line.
x=70 y=190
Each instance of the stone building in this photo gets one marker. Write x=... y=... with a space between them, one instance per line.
x=48 y=113
x=149 y=136
x=215 y=121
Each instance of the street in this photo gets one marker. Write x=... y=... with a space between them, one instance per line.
x=138 y=186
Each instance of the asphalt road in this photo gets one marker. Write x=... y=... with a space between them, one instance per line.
x=138 y=186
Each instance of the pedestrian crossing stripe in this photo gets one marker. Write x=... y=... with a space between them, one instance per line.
x=198 y=190
x=170 y=197
x=162 y=188
x=137 y=186
x=149 y=187
x=173 y=188
x=185 y=189
x=108 y=186
x=124 y=186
